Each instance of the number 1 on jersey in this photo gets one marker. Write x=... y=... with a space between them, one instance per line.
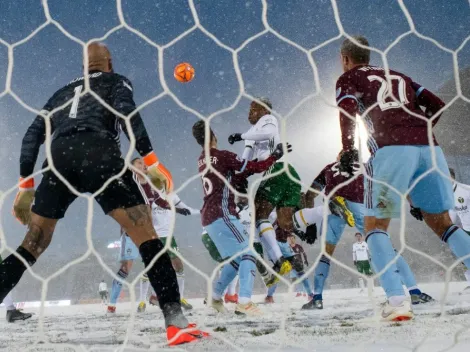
x=76 y=99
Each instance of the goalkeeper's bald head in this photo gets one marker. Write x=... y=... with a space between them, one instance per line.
x=99 y=57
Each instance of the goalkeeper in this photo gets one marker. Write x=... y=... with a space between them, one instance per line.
x=86 y=152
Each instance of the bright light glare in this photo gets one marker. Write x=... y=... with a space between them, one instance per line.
x=362 y=135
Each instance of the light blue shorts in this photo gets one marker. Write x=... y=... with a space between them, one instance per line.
x=286 y=249
x=400 y=167
x=229 y=236
x=336 y=225
x=129 y=250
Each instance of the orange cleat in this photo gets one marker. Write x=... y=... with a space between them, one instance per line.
x=112 y=309
x=231 y=298
x=269 y=300
x=177 y=336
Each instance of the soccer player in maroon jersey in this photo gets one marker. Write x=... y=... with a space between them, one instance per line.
x=300 y=257
x=221 y=221
x=398 y=111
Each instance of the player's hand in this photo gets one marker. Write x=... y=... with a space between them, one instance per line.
x=183 y=211
x=235 y=137
x=347 y=160
x=416 y=213
x=158 y=174
x=23 y=201
x=278 y=153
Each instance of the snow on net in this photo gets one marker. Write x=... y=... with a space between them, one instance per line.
x=241 y=94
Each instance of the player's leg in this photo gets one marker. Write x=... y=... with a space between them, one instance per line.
x=37 y=239
x=258 y=247
x=297 y=265
x=335 y=228
x=393 y=166
x=270 y=294
x=433 y=194
x=231 y=295
x=127 y=261
x=308 y=216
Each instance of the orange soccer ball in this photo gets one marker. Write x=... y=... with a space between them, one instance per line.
x=184 y=72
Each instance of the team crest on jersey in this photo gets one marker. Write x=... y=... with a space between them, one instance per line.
x=460 y=200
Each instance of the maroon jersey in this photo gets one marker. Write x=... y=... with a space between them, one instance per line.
x=387 y=121
x=219 y=201
x=299 y=252
x=281 y=234
x=149 y=192
x=331 y=176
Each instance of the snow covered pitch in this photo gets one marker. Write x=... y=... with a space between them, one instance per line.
x=346 y=324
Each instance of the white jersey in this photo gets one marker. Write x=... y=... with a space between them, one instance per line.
x=360 y=251
x=162 y=219
x=262 y=138
x=102 y=287
x=461 y=206
x=245 y=219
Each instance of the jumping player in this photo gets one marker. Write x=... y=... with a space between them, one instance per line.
x=400 y=154
x=85 y=150
x=220 y=219
x=280 y=192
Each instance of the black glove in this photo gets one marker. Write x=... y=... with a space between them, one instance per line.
x=347 y=161
x=236 y=137
x=183 y=211
x=241 y=185
x=416 y=213
x=278 y=153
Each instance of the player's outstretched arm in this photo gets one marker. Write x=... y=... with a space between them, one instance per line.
x=123 y=102
x=234 y=163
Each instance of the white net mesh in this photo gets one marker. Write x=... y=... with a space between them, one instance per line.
x=283 y=322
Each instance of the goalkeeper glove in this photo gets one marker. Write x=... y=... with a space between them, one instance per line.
x=236 y=137
x=183 y=211
x=416 y=213
x=157 y=173
x=347 y=160
x=278 y=153
x=23 y=201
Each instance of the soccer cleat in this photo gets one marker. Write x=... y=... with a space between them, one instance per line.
x=249 y=309
x=315 y=303
x=16 y=314
x=339 y=208
x=177 y=336
x=141 y=307
x=185 y=304
x=111 y=309
x=153 y=300
x=298 y=294
x=421 y=297
x=282 y=267
x=231 y=298
x=218 y=305
x=269 y=300
x=399 y=313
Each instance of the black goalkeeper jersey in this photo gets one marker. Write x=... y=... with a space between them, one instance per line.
x=85 y=113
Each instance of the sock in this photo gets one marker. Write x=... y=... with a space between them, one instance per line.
x=406 y=274
x=180 y=279
x=227 y=274
x=12 y=269
x=307 y=216
x=467 y=275
x=382 y=253
x=271 y=290
x=361 y=283
x=116 y=287
x=267 y=236
x=459 y=242
x=305 y=283
x=161 y=275
x=144 y=288
x=247 y=278
x=8 y=302
x=321 y=273
x=395 y=301
x=232 y=287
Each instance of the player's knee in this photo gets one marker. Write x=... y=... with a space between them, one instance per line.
x=439 y=223
x=177 y=264
x=126 y=266
x=330 y=248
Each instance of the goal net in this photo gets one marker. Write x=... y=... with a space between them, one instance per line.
x=241 y=50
